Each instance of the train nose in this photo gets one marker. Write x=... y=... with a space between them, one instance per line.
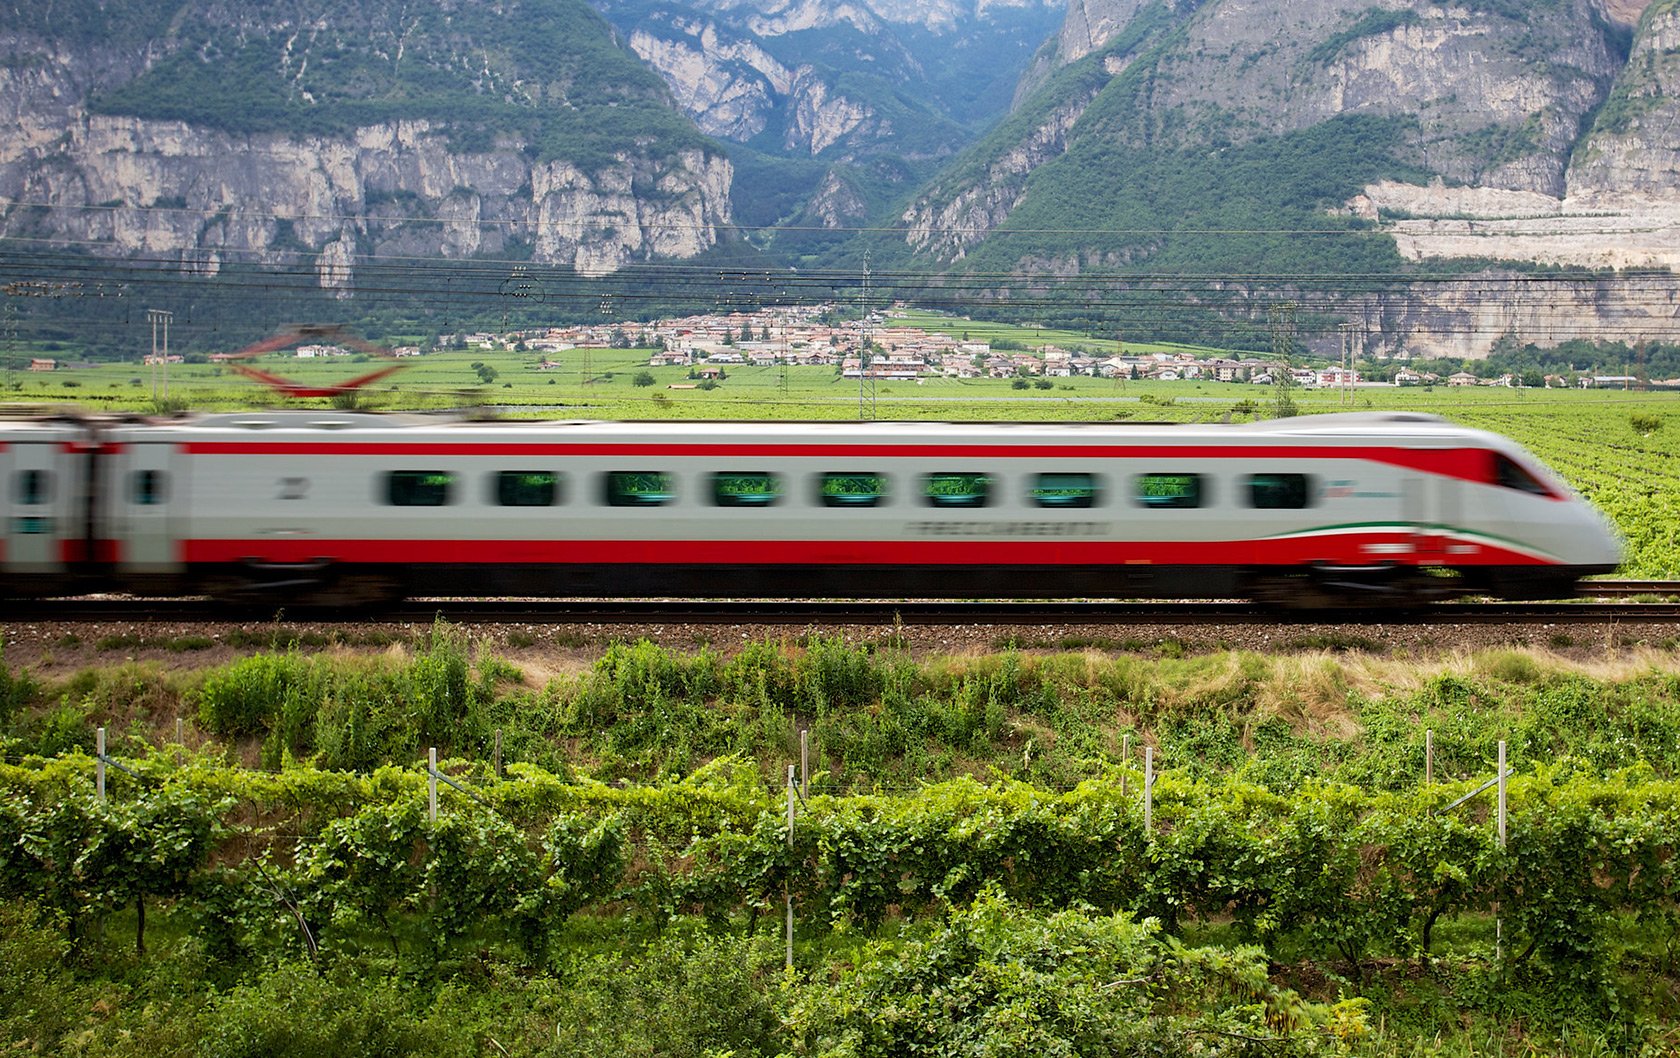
x=1603 y=543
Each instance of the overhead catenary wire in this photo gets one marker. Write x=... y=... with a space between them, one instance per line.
x=56 y=268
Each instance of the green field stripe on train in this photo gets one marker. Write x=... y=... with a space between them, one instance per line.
x=1346 y=528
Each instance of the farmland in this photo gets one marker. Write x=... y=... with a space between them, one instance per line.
x=264 y=875
x=974 y=846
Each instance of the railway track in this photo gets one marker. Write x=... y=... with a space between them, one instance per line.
x=1636 y=602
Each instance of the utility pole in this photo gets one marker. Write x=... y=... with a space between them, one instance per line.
x=863 y=345
x=1347 y=330
x=1119 y=351
x=1282 y=320
x=782 y=378
x=11 y=341
x=158 y=316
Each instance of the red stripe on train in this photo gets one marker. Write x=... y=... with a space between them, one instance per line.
x=1340 y=549
x=104 y=551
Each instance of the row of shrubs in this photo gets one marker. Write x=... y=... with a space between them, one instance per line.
x=1347 y=871
x=878 y=717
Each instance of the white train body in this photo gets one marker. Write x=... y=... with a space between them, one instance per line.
x=341 y=507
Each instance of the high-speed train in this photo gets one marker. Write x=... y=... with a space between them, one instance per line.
x=336 y=508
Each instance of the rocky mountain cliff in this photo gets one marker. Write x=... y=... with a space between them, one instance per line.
x=850 y=84
x=1495 y=129
x=847 y=79
x=211 y=134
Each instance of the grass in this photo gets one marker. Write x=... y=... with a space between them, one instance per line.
x=1052 y=714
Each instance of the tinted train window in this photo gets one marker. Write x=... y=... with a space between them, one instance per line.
x=848 y=489
x=751 y=488
x=1065 y=490
x=33 y=487
x=419 y=488
x=956 y=490
x=639 y=488
x=527 y=488
x=1279 y=492
x=149 y=487
x=1507 y=474
x=1169 y=490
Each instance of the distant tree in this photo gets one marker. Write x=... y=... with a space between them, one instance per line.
x=643 y=378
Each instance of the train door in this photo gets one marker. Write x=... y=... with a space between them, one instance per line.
x=39 y=507
x=147 y=501
x=1433 y=508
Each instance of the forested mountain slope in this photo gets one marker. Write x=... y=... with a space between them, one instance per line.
x=214 y=133
x=1326 y=137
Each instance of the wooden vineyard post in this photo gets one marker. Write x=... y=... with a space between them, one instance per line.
x=496 y=757
x=1501 y=794
x=787 y=888
x=431 y=783
x=805 y=762
x=1429 y=756
x=99 y=762
x=1148 y=789
x=1125 y=760
x=1498 y=919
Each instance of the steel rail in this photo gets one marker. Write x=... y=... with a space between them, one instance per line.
x=841 y=612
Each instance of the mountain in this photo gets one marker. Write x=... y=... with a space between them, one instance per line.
x=211 y=134
x=1325 y=137
x=836 y=108
x=1430 y=177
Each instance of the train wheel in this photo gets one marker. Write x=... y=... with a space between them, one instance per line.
x=321 y=589
x=1342 y=589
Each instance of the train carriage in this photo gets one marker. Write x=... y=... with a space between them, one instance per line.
x=336 y=508
x=43 y=545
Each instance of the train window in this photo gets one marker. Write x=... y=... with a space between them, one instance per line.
x=1169 y=490
x=33 y=487
x=149 y=488
x=527 y=488
x=745 y=488
x=956 y=490
x=1507 y=473
x=1279 y=492
x=639 y=488
x=419 y=488
x=852 y=489
x=1065 y=490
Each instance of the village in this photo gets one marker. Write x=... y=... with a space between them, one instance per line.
x=877 y=348
x=880 y=348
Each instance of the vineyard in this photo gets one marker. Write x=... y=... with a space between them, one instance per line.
x=1623 y=460
x=1025 y=852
